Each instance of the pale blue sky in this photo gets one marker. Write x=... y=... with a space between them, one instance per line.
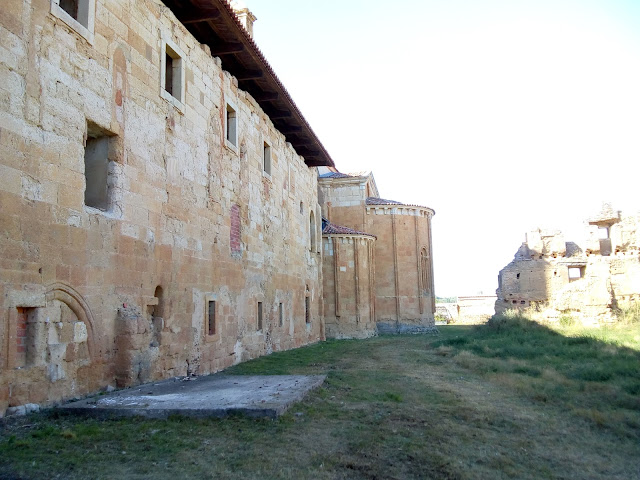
x=501 y=115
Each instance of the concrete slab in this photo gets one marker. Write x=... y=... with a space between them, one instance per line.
x=206 y=396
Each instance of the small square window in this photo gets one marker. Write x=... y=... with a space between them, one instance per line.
x=211 y=317
x=266 y=158
x=603 y=233
x=231 y=127
x=78 y=14
x=259 y=315
x=575 y=273
x=172 y=74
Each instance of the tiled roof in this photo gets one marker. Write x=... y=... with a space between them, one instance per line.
x=331 y=229
x=343 y=175
x=215 y=23
x=334 y=175
x=381 y=201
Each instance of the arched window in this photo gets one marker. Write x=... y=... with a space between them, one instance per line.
x=425 y=271
x=312 y=232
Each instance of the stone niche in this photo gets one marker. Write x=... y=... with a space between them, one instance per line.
x=50 y=348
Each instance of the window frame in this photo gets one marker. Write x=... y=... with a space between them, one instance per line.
x=177 y=95
x=205 y=324
x=231 y=127
x=267 y=158
x=96 y=132
x=88 y=10
x=581 y=268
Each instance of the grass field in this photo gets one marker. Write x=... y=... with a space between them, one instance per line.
x=510 y=399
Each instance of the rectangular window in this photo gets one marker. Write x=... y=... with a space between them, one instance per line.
x=576 y=273
x=603 y=233
x=211 y=317
x=168 y=74
x=71 y=7
x=25 y=338
x=266 y=158
x=96 y=168
x=280 y=315
x=259 y=315
x=231 y=126
x=173 y=73
x=21 y=338
x=307 y=311
x=78 y=14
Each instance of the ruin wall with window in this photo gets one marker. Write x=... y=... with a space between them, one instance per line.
x=588 y=283
x=138 y=234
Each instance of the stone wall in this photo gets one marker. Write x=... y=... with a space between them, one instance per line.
x=474 y=309
x=167 y=276
x=349 y=286
x=405 y=297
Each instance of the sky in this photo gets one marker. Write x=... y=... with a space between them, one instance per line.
x=501 y=115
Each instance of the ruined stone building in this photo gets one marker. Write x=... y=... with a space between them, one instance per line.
x=159 y=204
x=588 y=282
x=469 y=309
x=378 y=270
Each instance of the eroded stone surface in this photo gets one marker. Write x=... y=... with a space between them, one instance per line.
x=587 y=283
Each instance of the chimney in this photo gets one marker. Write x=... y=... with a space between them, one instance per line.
x=244 y=15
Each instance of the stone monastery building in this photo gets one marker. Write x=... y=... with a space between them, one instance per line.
x=162 y=202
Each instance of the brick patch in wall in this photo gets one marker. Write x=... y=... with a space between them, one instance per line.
x=235 y=229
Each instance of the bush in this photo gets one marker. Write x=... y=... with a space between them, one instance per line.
x=567 y=320
x=510 y=320
x=629 y=314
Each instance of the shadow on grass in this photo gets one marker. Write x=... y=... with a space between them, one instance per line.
x=595 y=379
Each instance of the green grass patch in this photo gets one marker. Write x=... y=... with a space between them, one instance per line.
x=508 y=399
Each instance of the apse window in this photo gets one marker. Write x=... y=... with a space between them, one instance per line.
x=172 y=74
x=266 y=158
x=576 y=273
x=78 y=14
x=97 y=167
x=231 y=127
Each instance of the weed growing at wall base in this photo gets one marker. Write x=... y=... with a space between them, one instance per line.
x=628 y=315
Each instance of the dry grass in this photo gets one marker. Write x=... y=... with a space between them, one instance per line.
x=508 y=400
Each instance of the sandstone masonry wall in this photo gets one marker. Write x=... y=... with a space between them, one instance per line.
x=403 y=283
x=194 y=227
x=348 y=286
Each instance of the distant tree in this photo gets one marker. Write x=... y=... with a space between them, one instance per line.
x=446 y=299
